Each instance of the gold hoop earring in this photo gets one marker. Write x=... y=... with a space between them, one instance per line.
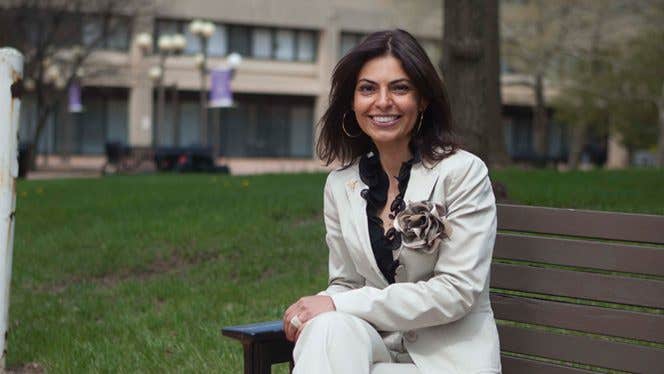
x=343 y=127
x=419 y=126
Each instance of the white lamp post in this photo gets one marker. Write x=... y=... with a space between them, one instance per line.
x=204 y=30
x=167 y=45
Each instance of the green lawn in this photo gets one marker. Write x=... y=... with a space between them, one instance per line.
x=129 y=274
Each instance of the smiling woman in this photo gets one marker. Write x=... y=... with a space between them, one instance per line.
x=395 y=304
x=386 y=109
x=360 y=93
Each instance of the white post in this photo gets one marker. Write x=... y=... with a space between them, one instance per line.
x=11 y=73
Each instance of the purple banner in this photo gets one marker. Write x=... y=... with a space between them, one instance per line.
x=75 y=105
x=221 y=95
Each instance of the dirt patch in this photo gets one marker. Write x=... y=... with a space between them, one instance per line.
x=267 y=274
x=174 y=262
x=312 y=219
x=29 y=368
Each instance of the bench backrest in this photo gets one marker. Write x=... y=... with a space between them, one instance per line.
x=574 y=291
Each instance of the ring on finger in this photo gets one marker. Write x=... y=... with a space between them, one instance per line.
x=295 y=322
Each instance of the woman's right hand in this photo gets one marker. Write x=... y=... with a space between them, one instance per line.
x=305 y=309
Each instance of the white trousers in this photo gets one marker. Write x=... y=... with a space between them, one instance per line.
x=339 y=343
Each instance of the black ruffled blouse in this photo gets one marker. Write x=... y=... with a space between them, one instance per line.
x=383 y=243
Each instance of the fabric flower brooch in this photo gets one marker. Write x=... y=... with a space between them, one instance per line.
x=422 y=226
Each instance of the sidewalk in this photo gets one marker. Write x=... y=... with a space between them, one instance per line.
x=56 y=167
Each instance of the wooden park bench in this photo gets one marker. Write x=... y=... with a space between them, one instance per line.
x=573 y=291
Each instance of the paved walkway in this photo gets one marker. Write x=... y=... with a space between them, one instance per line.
x=90 y=166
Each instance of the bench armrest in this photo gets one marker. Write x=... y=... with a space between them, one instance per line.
x=264 y=344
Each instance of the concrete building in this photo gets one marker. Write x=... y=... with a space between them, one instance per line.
x=289 y=49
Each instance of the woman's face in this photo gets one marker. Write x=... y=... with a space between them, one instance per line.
x=385 y=102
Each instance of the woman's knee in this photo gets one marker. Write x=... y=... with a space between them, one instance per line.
x=336 y=325
x=330 y=328
x=333 y=321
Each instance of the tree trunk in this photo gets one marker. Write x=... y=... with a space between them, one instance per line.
x=660 y=139
x=576 y=146
x=540 y=120
x=466 y=72
x=497 y=150
x=11 y=72
x=44 y=111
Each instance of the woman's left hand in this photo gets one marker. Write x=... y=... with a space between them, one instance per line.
x=305 y=309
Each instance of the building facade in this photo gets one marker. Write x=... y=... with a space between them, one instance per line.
x=289 y=50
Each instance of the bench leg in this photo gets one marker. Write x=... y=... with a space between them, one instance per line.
x=259 y=357
x=254 y=362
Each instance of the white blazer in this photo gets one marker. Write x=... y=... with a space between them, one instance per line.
x=440 y=301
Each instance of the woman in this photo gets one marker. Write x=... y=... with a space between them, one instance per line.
x=411 y=297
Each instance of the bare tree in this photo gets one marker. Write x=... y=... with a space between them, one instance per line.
x=53 y=37
x=591 y=65
x=470 y=66
x=616 y=80
x=533 y=35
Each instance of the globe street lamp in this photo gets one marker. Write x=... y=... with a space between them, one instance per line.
x=204 y=30
x=167 y=45
x=144 y=42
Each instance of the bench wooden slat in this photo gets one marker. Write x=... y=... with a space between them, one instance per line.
x=602 y=225
x=581 y=253
x=600 y=287
x=518 y=365
x=581 y=349
x=592 y=319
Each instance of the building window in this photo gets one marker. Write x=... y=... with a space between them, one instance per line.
x=217 y=44
x=93 y=31
x=90 y=127
x=249 y=41
x=189 y=122
x=261 y=43
x=116 y=120
x=348 y=41
x=301 y=131
x=104 y=119
x=285 y=45
x=193 y=42
x=306 y=46
x=111 y=34
x=268 y=126
x=117 y=34
x=239 y=40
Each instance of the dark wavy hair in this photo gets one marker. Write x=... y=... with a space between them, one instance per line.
x=434 y=141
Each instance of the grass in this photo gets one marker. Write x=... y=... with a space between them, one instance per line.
x=635 y=190
x=139 y=274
